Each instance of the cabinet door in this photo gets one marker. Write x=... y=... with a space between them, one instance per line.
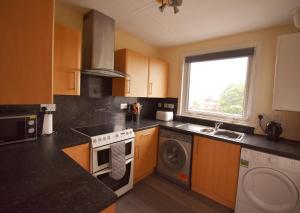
x=67 y=56
x=287 y=76
x=80 y=154
x=135 y=65
x=215 y=169
x=145 y=153
x=110 y=209
x=26 y=51
x=158 y=78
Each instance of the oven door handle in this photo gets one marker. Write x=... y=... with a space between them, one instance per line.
x=108 y=145
x=104 y=171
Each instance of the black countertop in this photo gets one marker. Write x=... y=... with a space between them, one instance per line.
x=38 y=177
x=283 y=147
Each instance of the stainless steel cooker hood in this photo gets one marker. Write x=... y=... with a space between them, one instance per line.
x=98 y=45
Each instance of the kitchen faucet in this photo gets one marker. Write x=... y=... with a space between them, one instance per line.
x=217 y=125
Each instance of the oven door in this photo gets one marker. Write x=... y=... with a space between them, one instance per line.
x=100 y=155
x=118 y=186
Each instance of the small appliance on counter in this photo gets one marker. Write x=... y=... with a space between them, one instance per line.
x=47 y=111
x=136 y=111
x=164 y=115
x=16 y=128
x=272 y=129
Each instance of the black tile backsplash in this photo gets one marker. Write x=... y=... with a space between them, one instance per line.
x=95 y=87
x=150 y=106
x=75 y=111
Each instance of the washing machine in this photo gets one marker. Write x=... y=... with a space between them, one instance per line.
x=267 y=183
x=174 y=156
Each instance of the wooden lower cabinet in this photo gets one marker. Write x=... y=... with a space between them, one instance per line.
x=145 y=153
x=215 y=170
x=80 y=154
x=110 y=209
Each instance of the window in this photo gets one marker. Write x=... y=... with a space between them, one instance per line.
x=217 y=84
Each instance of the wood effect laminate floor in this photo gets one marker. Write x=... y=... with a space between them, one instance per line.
x=155 y=195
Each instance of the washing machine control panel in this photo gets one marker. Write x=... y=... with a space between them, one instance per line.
x=269 y=160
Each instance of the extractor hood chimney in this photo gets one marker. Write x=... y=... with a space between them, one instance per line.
x=98 y=45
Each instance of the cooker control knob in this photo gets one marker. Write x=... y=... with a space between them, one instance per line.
x=104 y=138
x=108 y=137
x=95 y=140
x=117 y=135
x=31 y=130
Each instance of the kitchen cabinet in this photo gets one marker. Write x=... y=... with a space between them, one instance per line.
x=80 y=154
x=26 y=51
x=110 y=209
x=145 y=76
x=135 y=66
x=287 y=75
x=67 y=60
x=145 y=153
x=158 y=78
x=215 y=169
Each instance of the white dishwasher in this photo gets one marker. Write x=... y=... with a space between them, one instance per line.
x=267 y=183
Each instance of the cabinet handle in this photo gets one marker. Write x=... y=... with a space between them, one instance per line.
x=75 y=80
x=138 y=151
x=150 y=88
x=128 y=86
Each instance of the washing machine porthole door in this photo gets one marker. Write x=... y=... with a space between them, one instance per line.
x=173 y=155
x=270 y=190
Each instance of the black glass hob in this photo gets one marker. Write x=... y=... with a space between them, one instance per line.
x=100 y=129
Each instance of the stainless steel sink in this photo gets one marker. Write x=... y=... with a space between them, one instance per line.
x=219 y=133
x=207 y=130
x=226 y=134
x=190 y=127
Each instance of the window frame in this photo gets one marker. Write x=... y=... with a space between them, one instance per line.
x=249 y=92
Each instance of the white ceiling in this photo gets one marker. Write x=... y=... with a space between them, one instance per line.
x=197 y=19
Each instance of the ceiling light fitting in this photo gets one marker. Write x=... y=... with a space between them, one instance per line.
x=171 y=3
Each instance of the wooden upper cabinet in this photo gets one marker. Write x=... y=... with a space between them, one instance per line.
x=158 y=78
x=67 y=60
x=26 y=51
x=135 y=66
x=145 y=154
x=80 y=154
x=145 y=77
x=215 y=169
